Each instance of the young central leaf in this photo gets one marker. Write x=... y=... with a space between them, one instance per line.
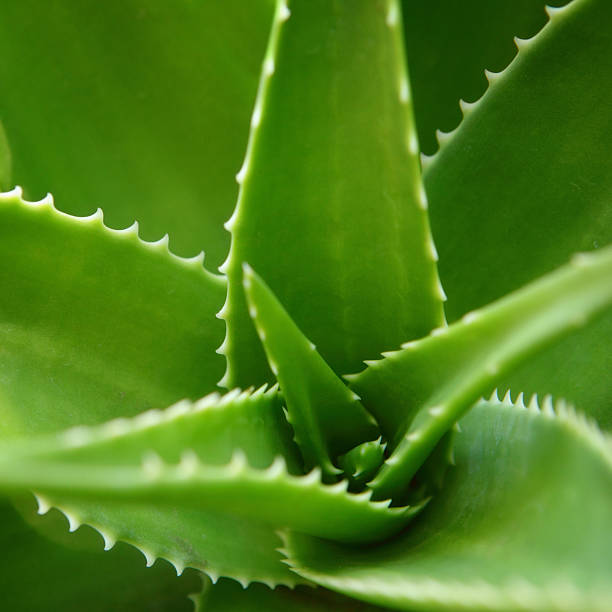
x=326 y=415
x=331 y=210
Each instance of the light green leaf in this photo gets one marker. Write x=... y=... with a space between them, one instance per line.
x=326 y=415
x=229 y=596
x=417 y=393
x=140 y=107
x=186 y=534
x=525 y=181
x=157 y=481
x=96 y=324
x=491 y=539
x=331 y=210
x=40 y=573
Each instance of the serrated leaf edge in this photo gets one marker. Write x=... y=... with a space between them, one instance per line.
x=523 y=46
x=160 y=247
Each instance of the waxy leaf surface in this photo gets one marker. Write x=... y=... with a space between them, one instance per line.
x=525 y=181
x=326 y=415
x=140 y=107
x=491 y=538
x=417 y=393
x=331 y=210
x=94 y=323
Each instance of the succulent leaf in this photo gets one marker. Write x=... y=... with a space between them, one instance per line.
x=419 y=392
x=491 y=539
x=46 y=572
x=326 y=415
x=456 y=41
x=388 y=500
x=197 y=439
x=331 y=210
x=139 y=107
x=95 y=323
x=526 y=178
x=163 y=482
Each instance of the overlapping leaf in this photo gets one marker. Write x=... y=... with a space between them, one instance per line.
x=331 y=211
x=450 y=44
x=180 y=484
x=139 y=107
x=417 y=393
x=327 y=417
x=40 y=570
x=228 y=596
x=96 y=324
x=524 y=522
x=524 y=182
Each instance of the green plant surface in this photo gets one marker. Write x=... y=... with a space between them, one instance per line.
x=305 y=430
x=95 y=322
x=326 y=416
x=43 y=552
x=147 y=104
x=491 y=538
x=310 y=143
x=455 y=42
x=228 y=596
x=568 y=65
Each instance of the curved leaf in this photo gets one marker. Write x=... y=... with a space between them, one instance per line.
x=491 y=538
x=326 y=416
x=164 y=482
x=333 y=154
x=95 y=323
x=526 y=178
x=144 y=104
x=37 y=573
x=419 y=392
x=181 y=530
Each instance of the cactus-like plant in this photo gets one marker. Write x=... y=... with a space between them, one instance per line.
x=409 y=483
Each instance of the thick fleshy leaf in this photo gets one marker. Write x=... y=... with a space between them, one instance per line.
x=140 y=107
x=524 y=522
x=180 y=489
x=327 y=417
x=331 y=210
x=229 y=596
x=525 y=181
x=419 y=392
x=46 y=572
x=95 y=323
x=449 y=45
x=210 y=430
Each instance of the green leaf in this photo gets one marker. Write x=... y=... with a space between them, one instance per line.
x=417 y=393
x=331 y=210
x=140 y=107
x=229 y=596
x=5 y=161
x=449 y=44
x=96 y=324
x=186 y=534
x=173 y=486
x=525 y=181
x=326 y=415
x=40 y=573
x=524 y=522
x=362 y=462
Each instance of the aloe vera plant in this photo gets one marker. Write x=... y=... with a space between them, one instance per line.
x=317 y=426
